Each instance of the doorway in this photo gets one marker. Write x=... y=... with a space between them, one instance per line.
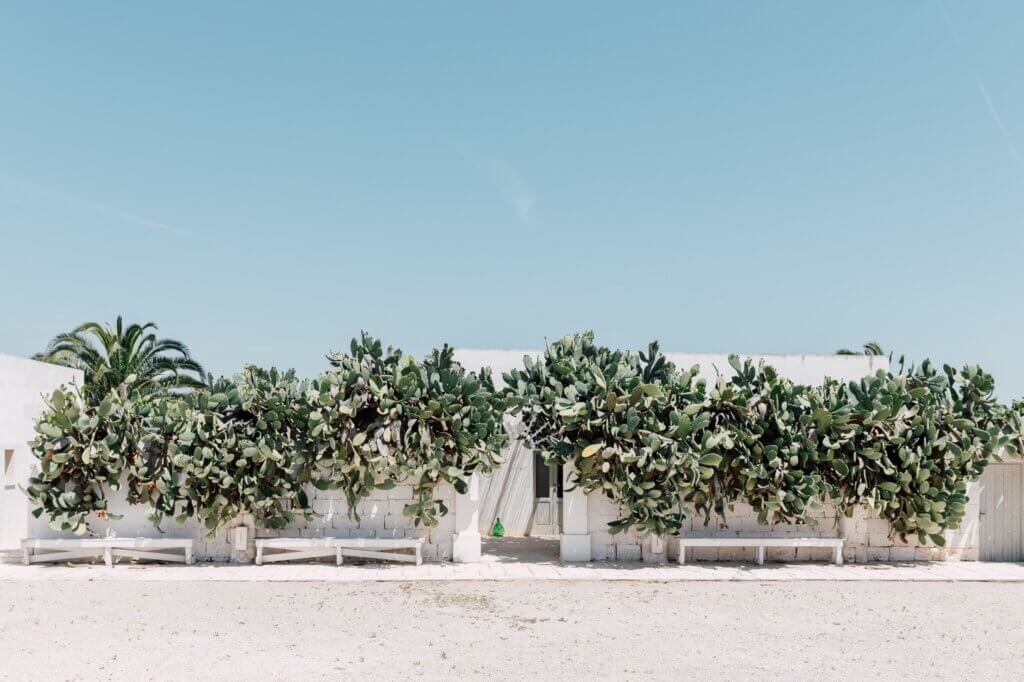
x=532 y=501
x=547 y=502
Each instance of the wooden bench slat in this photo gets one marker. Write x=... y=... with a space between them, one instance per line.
x=835 y=544
x=84 y=543
x=764 y=542
x=382 y=543
x=63 y=556
x=154 y=543
x=59 y=549
x=311 y=548
x=387 y=556
x=311 y=553
x=287 y=543
x=61 y=543
x=156 y=556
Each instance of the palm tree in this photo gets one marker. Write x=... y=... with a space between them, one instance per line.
x=870 y=348
x=114 y=355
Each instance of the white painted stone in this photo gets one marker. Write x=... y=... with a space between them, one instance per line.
x=399 y=492
x=880 y=539
x=624 y=553
x=466 y=541
x=575 y=544
x=902 y=553
x=654 y=550
x=878 y=553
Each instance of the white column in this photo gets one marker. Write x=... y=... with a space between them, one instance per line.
x=575 y=532
x=653 y=549
x=466 y=541
x=240 y=535
x=853 y=529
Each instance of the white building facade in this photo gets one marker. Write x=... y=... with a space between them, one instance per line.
x=527 y=496
x=993 y=526
x=25 y=386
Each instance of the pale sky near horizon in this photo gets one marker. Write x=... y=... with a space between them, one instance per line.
x=266 y=179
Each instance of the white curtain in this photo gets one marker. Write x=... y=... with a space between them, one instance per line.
x=509 y=492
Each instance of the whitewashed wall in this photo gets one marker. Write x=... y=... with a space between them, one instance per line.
x=805 y=369
x=380 y=517
x=509 y=492
x=24 y=387
x=868 y=537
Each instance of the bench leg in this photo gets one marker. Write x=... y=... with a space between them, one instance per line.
x=338 y=558
x=259 y=555
x=188 y=556
x=682 y=554
x=108 y=557
x=26 y=556
x=419 y=555
x=838 y=556
x=760 y=556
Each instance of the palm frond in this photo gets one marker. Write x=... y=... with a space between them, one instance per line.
x=109 y=354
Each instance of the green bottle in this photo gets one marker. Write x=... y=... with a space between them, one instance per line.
x=498 y=530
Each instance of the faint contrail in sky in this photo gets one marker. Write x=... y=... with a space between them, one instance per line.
x=95 y=207
x=505 y=178
x=993 y=112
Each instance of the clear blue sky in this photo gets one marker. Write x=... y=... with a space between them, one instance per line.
x=266 y=179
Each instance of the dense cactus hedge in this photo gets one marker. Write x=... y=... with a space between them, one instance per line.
x=82 y=448
x=663 y=444
x=382 y=417
x=249 y=445
x=660 y=442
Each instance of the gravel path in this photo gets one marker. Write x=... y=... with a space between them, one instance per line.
x=514 y=630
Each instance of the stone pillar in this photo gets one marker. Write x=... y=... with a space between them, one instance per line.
x=466 y=541
x=240 y=535
x=854 y=529
x=575 y=545
x=653 y=549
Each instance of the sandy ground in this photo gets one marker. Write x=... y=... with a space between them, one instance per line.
x=512 y=630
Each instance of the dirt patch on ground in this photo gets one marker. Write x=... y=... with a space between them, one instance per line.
x=216 y=630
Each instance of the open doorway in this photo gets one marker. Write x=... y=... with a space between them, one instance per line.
x=547 y=499
x=526 y=495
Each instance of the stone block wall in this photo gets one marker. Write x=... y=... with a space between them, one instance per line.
x=380 y=516
x=868 y=537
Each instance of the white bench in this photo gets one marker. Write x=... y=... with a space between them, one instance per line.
x=38 y=550
x=835 y=544
x=386 y=549
x=290 y=549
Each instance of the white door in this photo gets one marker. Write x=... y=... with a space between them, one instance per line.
x=547 y=503
x=1002 y=513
